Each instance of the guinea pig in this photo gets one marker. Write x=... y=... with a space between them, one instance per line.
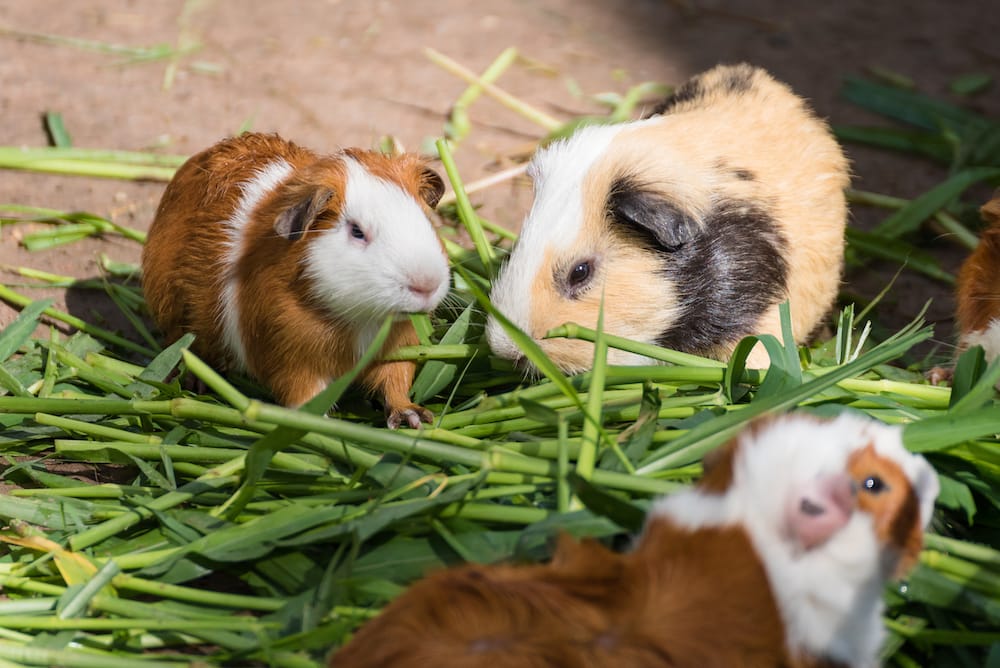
x=688 y=227
x=285 y=263
x=978 y=289
x=834 y=509
x=777 y=558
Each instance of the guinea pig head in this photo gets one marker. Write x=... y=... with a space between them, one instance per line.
x=621 y=227
x=368 y=248
x=845 y=489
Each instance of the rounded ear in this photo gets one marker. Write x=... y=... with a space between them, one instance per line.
x=651 y=214
x=431 y=187
x=717 y=466
x=300 y=207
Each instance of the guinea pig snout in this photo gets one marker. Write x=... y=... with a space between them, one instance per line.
x=425 y=289
x=820 y=508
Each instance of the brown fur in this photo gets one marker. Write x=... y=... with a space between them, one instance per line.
x=654 y=607
x=896 y=510
x=681 y=597
x=978 y=291
x=293 y=345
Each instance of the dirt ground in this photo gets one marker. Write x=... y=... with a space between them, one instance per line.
x=330 y=73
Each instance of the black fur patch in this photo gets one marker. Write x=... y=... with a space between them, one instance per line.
x=650 y=213
x=726 y=277
x=738 y=79
x=741 y=174
x=689 y=90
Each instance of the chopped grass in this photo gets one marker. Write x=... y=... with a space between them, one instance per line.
x=149 y=525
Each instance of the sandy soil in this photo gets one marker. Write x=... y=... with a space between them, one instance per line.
x=331 y=73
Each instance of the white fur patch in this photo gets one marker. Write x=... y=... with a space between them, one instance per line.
x=255 y=190
x=553 y=222
x=830 y=596
x=988 y=338
x=364 y=281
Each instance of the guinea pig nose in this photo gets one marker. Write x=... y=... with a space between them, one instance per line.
x=423 y=286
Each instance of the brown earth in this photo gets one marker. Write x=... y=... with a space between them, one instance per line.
x=331 y=73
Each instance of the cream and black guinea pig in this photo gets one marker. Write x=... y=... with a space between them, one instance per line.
x=285 y=263
x=690 y=226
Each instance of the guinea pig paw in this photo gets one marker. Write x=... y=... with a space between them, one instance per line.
x=940 y=375
x=412 y=415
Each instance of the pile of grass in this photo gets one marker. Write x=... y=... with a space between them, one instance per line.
x=148 y=525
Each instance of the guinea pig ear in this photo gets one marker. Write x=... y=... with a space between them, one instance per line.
x=718 y=468
x=300 y=213
x=652 y=214
x=431 y=186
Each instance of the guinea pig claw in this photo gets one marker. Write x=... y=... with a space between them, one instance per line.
x=412 y=415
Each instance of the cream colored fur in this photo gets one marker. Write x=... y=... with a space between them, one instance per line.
x=688 y=154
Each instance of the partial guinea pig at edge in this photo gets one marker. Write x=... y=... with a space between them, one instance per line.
x=978 y=290
x=285 y=263
x=688 y=228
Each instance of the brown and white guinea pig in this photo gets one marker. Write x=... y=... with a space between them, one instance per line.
x=978 y=292
x=834 y=509
x=285 y=263
x=777 y=558
x=691 y=225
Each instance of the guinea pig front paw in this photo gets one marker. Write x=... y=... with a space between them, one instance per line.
x=412 y=415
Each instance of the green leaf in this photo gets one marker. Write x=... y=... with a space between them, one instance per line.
x=17 y=333
x=940 y=432
x=437 y=374
x=974 y=381
x=911 y=216
x=920 y=142
x=969 y=84
x=603 y=504
x=903 y=105
x=956 y=496
x=536 y=410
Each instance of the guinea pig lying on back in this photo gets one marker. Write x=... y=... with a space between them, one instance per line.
x=285 y=263
x=692 y=225
x=777 y=558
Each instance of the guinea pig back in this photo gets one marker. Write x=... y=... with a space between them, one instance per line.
x=284 y=263
x=688 y=227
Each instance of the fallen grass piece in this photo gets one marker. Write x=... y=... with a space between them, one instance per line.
x=548 y=123
x=13 y=297
x=84 y=162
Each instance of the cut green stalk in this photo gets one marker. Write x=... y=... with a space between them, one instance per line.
x=466 y=213
x=458 y=119
x=595 y=402
x=548 y=123
x=571 y=330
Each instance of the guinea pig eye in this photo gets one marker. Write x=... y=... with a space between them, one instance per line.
x=874 y=485
x=579 y=274
x=357 y=232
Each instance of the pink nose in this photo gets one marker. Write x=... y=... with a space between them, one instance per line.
x=423 y=287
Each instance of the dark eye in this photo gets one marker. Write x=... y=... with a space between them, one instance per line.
x=874 y=485
x=579 y=274
x=357 y=232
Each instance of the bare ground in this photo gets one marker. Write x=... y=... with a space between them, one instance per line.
x=330 y=73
